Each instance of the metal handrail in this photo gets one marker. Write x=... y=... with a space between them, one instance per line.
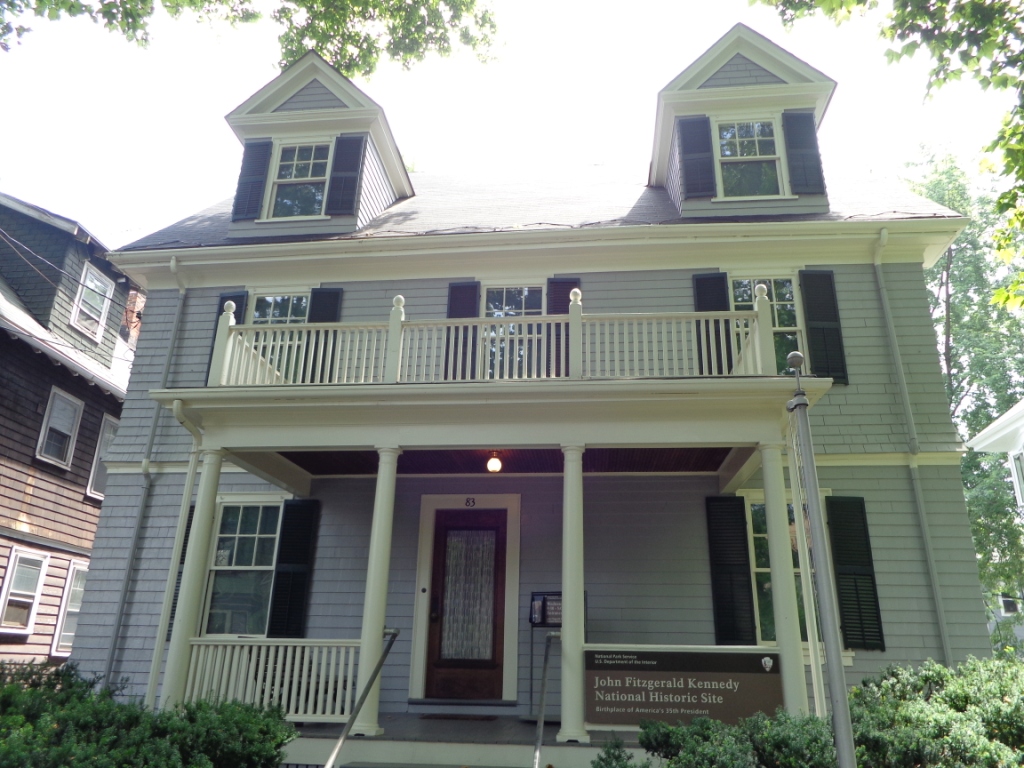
x=391 y=634
x=543 y=695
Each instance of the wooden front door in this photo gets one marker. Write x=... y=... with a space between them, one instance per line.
x=467 y=605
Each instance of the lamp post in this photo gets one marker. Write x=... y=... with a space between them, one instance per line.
x=828 y=613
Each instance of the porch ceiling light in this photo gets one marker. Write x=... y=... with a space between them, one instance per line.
x=494 y=463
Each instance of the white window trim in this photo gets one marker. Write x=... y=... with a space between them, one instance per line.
x=55 y=392
x=237 y=499
x=1016 y=462
x=73 y=568
x=513 y=283
x=108 y=297
x=266 y=215
x=290 y=291
x=13 y=558
x=98 y=455
x=780 y=153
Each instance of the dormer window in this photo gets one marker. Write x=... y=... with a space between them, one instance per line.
x=748 y=158
x=301 y=180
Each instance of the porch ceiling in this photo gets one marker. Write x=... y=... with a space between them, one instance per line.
x=514 y=461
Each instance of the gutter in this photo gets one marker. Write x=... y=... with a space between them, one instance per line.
x=914 y=445
x=147 y=485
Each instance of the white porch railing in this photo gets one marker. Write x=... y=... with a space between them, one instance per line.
x=311 y=680
x=572 y=346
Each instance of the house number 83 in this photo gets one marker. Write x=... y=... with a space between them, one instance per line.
x=470 y=501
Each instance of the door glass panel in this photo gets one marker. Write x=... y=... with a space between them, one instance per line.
x=467 y=622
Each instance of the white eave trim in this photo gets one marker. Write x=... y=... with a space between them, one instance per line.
x=70 y=226
x=1002 y=435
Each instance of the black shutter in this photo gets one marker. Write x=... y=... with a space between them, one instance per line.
x=731 y=592
x=802 y=154
x=181 y=568
x=860 y=617
x=824 y=335
x=324 y=305
x=558 y=300
x=252 y=180
x=241 y=299
x=348 y=159
x=696 y=157
x=296 y=549
x=711 y=294
x=463 y=301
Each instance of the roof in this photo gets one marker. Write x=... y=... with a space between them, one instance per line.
x=450 y=205
x=18 y=321
x=70 y=226
x=1003 y=435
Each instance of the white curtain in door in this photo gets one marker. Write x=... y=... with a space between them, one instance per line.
x=467 y=629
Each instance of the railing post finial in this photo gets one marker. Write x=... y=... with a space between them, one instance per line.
x=219 y=362
x=575 y=334
x=393 y=346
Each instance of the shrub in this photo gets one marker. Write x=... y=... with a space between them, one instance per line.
x=51 y=717
x=614 y=755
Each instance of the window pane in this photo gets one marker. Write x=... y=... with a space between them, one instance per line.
x=785 y=315
x=239 y=602
x=56 y=445
x=534 y=296
x=244 y=550
x=26 y=575
x=784 y=289
x=67 y=635
x=758 y=521
x=77 y=590
x=298 y=200
x=750 y=178
x=305 y=153
x=16 y=614
x=761 y=559
x=784 y=344
x=765 y=606
x=63 y=414
x=268 y=521
x=229 y=520
x=320 y=152
x=250 y=520
x=225 y=551
x=265 y=551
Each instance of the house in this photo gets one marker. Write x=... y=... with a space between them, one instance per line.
x=63 y=378
x=1006 y=435
x=473 y=411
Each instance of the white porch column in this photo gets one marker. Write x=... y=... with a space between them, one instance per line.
x=572 y=598
x=780 y=550
x=375 y=603
x=193 y=580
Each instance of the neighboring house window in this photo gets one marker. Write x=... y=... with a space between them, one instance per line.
x=89 y=314
x=60 y=428
x=301 y=180
x=98 y=476
x=786 y=316
x=748 y=158
x=1008 y=605
x=70 y=607
x=23 y=585
x=279 y=310
x=243 y=569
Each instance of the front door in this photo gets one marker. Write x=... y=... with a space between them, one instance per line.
x=465 y=642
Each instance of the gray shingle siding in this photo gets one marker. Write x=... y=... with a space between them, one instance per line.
x=740 y=71
x=375 y=190
x=314 y=95
x=32 y=278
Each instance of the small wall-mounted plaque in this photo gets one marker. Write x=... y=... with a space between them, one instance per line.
x=546 y=609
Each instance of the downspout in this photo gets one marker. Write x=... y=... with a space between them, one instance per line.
x=179 y=542
x=915 y=448
x=147 y=482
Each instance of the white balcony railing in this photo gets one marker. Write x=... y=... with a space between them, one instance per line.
x=572 y=346
x=311 y=680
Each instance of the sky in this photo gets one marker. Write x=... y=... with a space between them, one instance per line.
x=127 y=140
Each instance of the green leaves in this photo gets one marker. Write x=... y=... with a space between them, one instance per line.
x=352 y=34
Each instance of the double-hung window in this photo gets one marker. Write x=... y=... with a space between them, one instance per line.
x=280 y=310
x=92 y=303
x=761 y=569
x=515 y=347
x=300 y=181
x=749 y=159
x=60 y=428
x=787 y=326
x=238 y=602
x=1017 y=472
x=22 y=588
x=70 y=608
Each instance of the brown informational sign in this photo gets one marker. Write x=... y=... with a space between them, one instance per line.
x=625 y=687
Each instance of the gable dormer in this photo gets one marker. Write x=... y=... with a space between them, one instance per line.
x=736 y=132
x=318 y=157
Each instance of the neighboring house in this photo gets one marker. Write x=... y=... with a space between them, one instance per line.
x=1006 y=435
x=63 y=378
x=374 y=347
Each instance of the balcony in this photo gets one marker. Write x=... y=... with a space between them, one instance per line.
x=575 y=346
